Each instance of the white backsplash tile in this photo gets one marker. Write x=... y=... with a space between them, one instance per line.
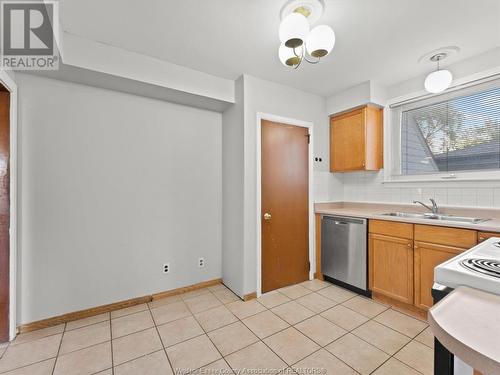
x=369 y=187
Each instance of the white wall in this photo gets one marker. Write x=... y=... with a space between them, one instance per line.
x=111 y=187
x=232 y=192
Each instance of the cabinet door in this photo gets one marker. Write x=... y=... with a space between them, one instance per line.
x=427 y=257
x=483 y=236
x=347 y=141
x=391 y=267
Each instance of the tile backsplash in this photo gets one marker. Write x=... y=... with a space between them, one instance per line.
x=369 y=187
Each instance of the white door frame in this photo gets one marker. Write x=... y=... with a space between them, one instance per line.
x=10 y=85
x=288 y=121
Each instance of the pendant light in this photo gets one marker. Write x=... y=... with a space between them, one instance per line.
x=439 y=80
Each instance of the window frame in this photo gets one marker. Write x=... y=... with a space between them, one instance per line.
x=392 y=138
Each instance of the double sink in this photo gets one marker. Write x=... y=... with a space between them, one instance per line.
x=439 y=217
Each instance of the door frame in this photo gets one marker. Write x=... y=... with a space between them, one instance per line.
x=7 y=81
x=294 y=122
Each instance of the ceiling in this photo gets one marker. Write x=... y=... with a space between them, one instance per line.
x=378 y=40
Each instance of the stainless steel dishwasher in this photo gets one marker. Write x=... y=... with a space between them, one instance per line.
x=344 y=256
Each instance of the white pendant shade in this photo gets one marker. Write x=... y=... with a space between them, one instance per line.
x=438 y=81
x=288 y=57
x=293 y=30
x=320 y=41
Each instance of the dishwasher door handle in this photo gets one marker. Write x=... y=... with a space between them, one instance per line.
x=340 y=223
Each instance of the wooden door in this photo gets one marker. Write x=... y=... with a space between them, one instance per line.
x=347 y=141
x=427 y=257
x=285 y=205
x=391 y=267
x=4 y=214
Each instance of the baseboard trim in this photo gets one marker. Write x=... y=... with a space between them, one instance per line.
x=250 y=296
x=76 y=315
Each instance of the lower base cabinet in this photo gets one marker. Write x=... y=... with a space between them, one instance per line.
x=391 y=267
x=427 y=257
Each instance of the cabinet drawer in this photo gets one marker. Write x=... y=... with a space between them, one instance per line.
x=463 y=238
x=391 y=228
x=483 y=236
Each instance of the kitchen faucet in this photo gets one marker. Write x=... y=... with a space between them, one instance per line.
x=434 y=209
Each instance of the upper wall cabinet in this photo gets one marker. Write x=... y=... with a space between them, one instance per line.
x=356 y=140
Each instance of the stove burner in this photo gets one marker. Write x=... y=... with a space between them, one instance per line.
x=488 y=267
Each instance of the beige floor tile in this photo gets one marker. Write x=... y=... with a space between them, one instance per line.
x=40 y=368
x=215 y=318
x=231 y=338
x=273 y=299
x=135 y=345
x=192 y=354
x=128 y=324
x=315 y=284
x=3 y=348
x=105 y=372
x=84 y=337
x=291 y=345
x=344 y=317
x=365 y=306
x=217 y=287
x=402 y=323
x=201 y=303
x=35 y=351
x=226 y=296
x=87 y=321
x=395 y=367
x=256 y=357
x=245 y=309
x=357 y=353
x=337 y=294
x=323 y=360
x=320 y=330
x=152 y=364
x=38 y=334
x=292 y=312
x=294 y=291
x=129 y=310
x=219 y=367
x=168 y=313
x=381 y=336
x=426 y=337
x=418 y=356
x=265 y=324
x=194 y=293
x=179 y=330
x=316 y=302
x=164 y=301
x=86 y=361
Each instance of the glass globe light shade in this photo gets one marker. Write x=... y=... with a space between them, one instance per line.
x=320 y=41
x=438 y=81
x=293 y=30
x=288 y=57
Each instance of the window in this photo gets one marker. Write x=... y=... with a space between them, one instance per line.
x=448 y=134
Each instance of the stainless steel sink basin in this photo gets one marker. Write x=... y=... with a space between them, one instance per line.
x=458 y=219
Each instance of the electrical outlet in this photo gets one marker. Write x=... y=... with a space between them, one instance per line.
x=201 y=262
x=166 y=267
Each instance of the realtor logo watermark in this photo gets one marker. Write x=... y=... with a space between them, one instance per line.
x=29 y=36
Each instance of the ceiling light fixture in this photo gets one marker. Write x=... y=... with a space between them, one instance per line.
x=439 y=80
x=298 y=42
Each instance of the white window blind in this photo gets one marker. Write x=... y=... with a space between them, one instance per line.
x=455 y=132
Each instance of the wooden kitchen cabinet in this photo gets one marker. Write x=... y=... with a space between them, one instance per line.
x=483 y=236
x=391 y=267
x=356 y=140
x=427 y=257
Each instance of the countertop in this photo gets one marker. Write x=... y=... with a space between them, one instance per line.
x=375 y=211
x=467 y=323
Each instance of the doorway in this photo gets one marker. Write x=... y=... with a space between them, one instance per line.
x=285 y=204
x=4 y=213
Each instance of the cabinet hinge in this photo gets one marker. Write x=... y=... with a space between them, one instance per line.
x=308 y=138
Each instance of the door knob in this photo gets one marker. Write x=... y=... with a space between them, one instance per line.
x=267 y=216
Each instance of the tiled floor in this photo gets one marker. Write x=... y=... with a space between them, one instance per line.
x=304 y=329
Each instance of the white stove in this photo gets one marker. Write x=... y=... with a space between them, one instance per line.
x=477 y=268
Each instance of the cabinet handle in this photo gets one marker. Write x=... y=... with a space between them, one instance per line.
x=481 y=238
x=409 y=245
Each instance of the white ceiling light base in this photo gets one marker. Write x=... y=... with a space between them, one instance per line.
x=312 y=9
